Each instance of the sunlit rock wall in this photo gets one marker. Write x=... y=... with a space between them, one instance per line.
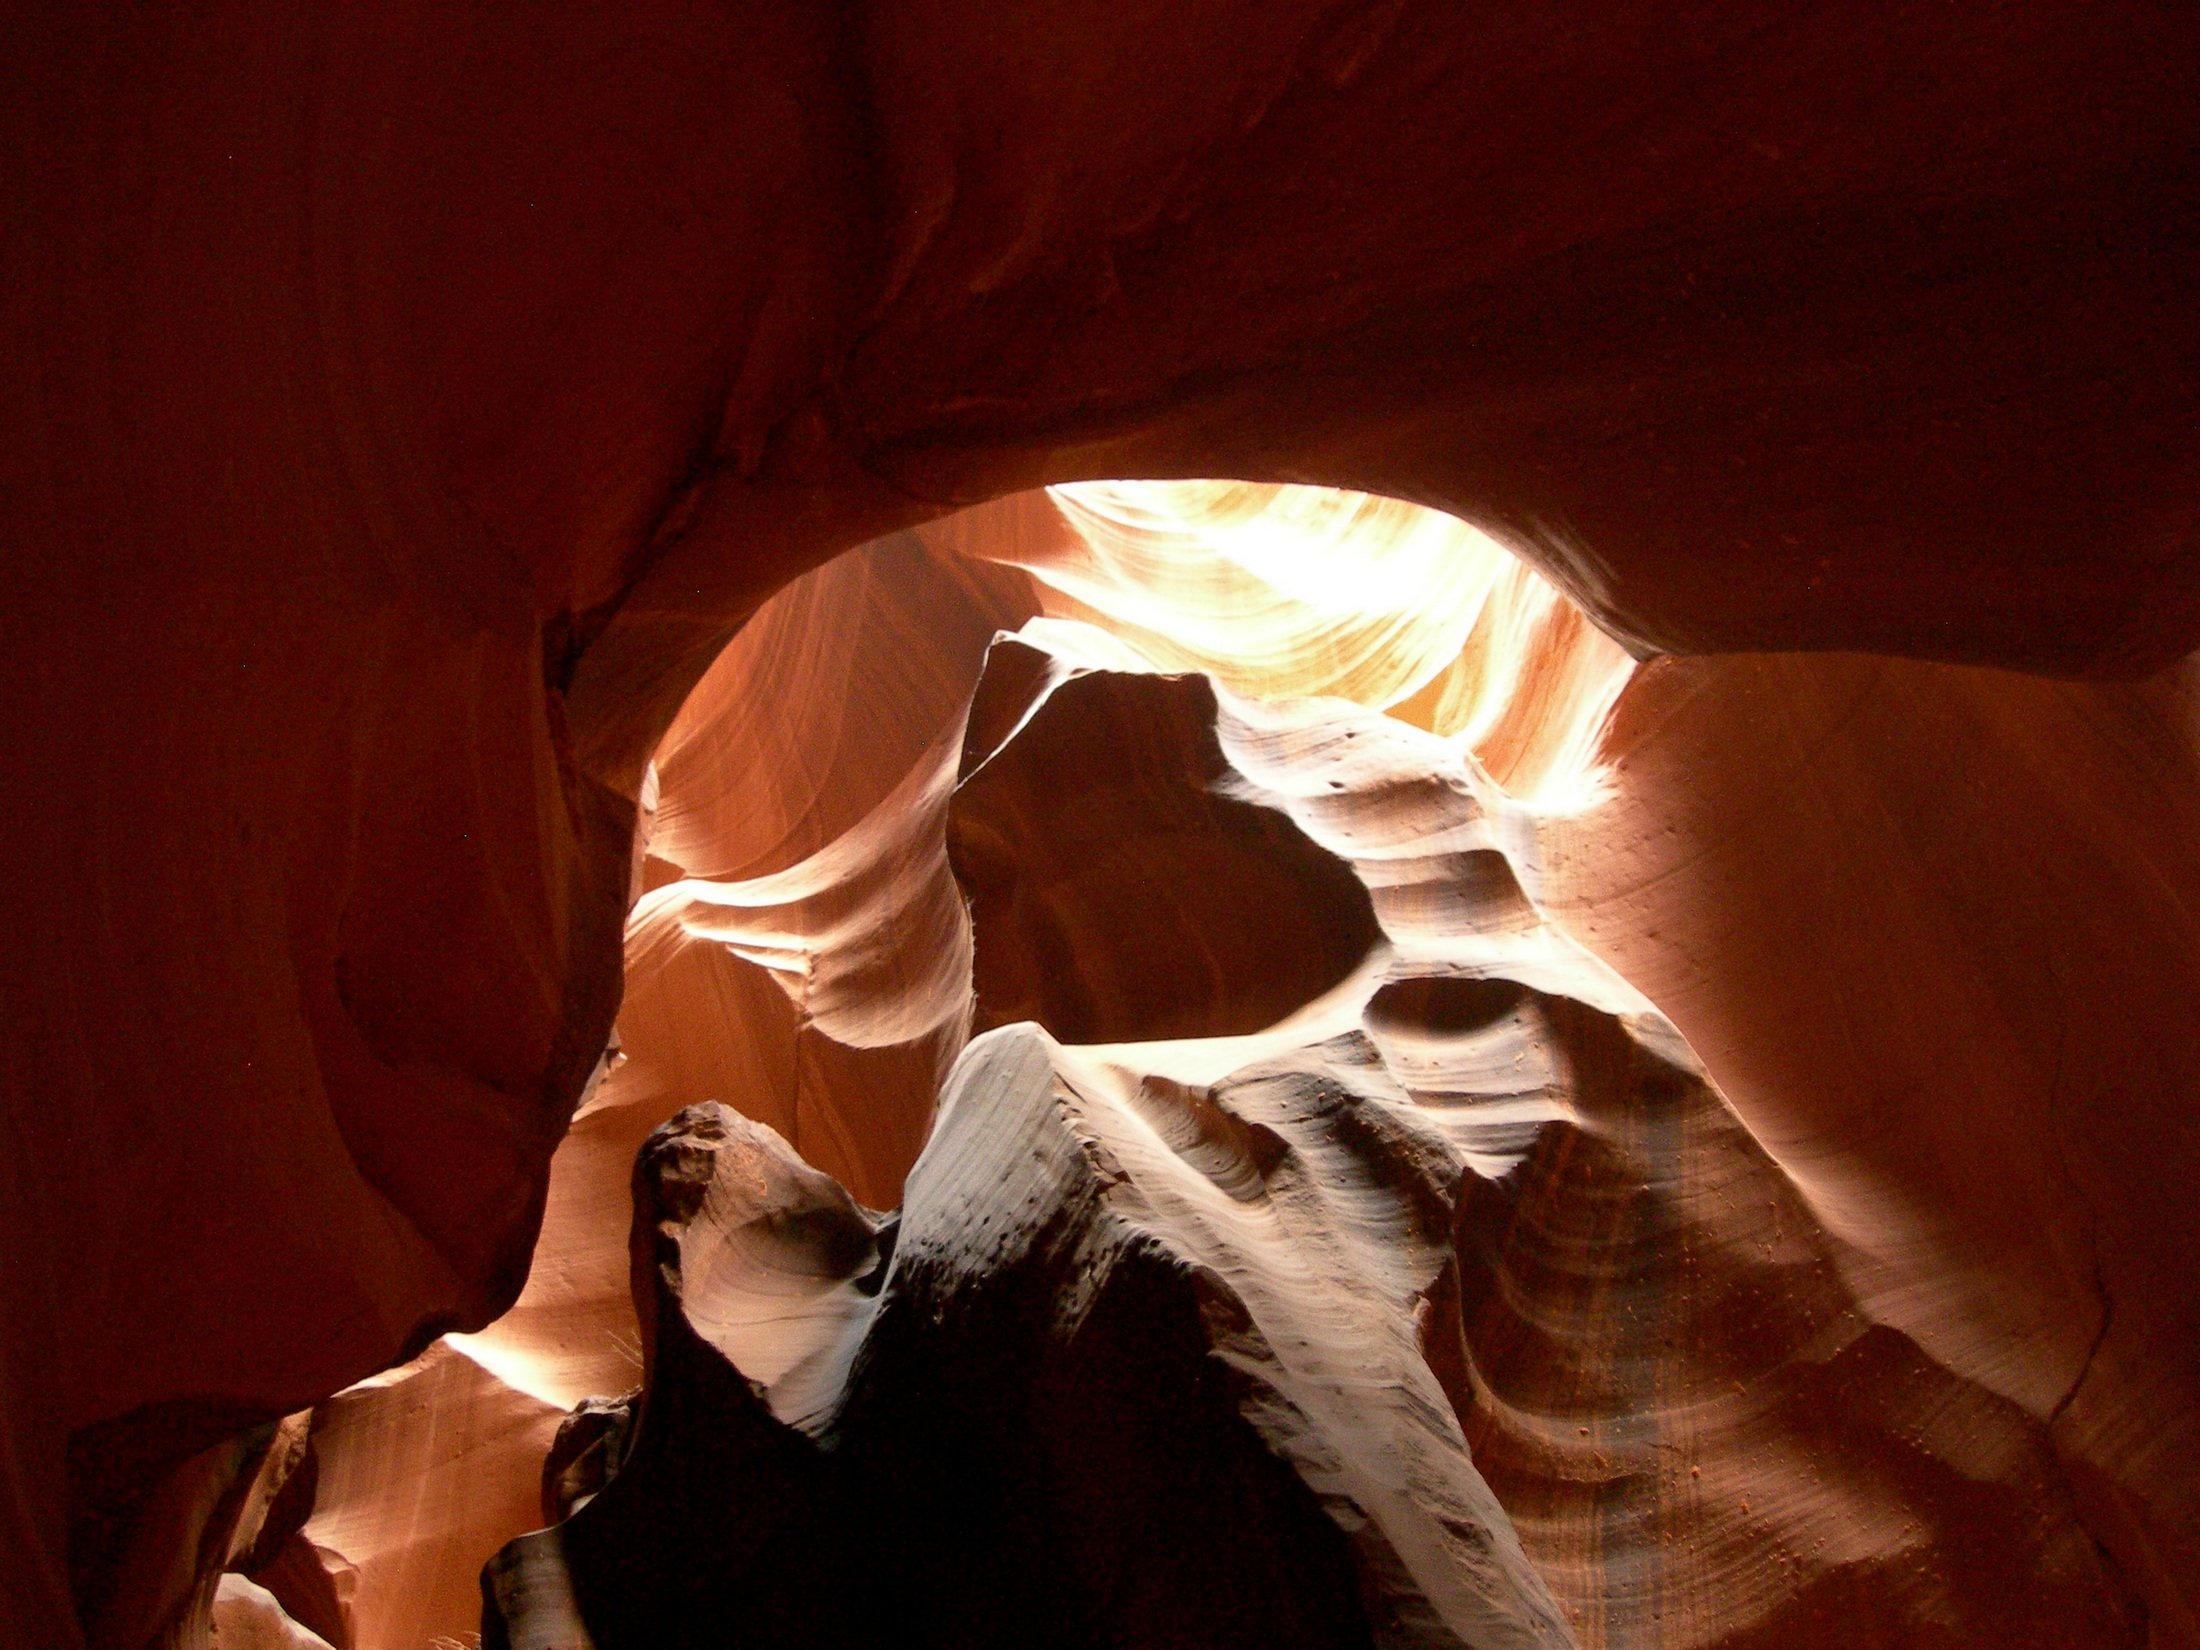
x=798 y=946
x=406 y=404
x=1468 y=1242
x=1734 y=1376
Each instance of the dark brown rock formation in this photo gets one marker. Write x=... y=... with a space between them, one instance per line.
x=717 y=1522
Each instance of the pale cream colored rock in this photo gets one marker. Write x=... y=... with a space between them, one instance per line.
x=246 y=1616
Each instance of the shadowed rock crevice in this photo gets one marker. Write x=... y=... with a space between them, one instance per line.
x=1036 y=1451
x=1114 y=796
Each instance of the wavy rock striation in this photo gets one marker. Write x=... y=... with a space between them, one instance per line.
x=1458 y=1288
x=406 y=404
x=797 y=942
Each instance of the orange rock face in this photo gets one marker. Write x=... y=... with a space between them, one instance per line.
x=1974 y=1075
x=406 y=407
x=1557 y=1351
x=797 y=945
x=1706 y=1388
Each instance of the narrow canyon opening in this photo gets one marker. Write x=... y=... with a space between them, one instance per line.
x=1336 y=1106
x=1132 y=1134
x=801 y=942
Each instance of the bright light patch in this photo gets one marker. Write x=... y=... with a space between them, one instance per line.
x=1289 y=592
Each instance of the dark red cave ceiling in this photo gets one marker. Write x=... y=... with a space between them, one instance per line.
x=404 y=405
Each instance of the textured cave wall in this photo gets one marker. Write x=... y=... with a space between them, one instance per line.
x=1934 y=1248
x=761 y=876
x=1561 y=1350
x=405 y=406
x=1980 y=1073
x=790 y=952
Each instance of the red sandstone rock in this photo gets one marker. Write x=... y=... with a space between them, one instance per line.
x=753 y=973
x=721 y=1522
x=406 y=406
x=416 y=1465
x=1976 y=1073
x=246 y=1616
x=1562 y=1350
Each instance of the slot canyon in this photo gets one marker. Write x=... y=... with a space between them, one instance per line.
x=1334 y=823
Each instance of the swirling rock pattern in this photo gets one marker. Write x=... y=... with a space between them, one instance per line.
x=797 y=942
x=406 y=404
x=1545 y=1346
x=1978 y=1075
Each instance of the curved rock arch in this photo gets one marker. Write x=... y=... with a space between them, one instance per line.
x=406 y=407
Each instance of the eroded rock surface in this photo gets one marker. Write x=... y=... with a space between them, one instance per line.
x=1980 y=1073
x=1461 y=1290
x=407 y=404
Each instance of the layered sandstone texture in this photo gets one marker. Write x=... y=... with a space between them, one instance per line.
x=406 y=406
x=1455 y=1307
x=798 y=946
x=1696 y=1368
